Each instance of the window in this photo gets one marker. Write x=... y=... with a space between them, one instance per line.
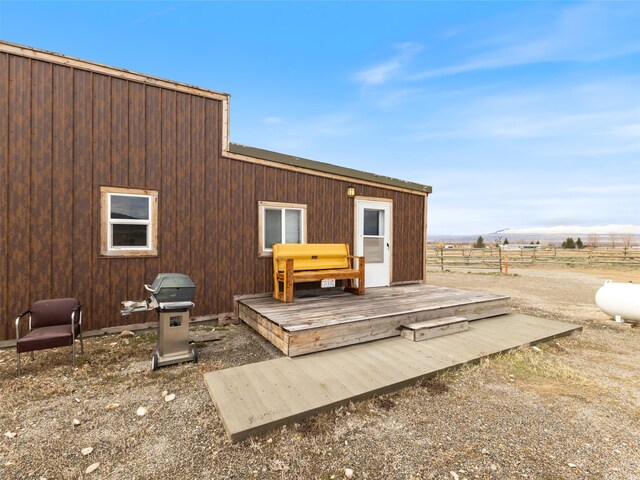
x=128 y=222
x=373 y=235
x=280 y=223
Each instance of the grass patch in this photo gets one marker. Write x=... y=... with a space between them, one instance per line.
x=544 y=373
x=586 y=343
x=493 y=274
x=312 y=426
x=528 y=364
x=384 y=403
x=434 y=385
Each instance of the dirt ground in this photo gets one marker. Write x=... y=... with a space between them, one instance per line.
x=568 y=409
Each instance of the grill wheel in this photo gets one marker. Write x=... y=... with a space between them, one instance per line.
x=194 y=354
x=154 y=361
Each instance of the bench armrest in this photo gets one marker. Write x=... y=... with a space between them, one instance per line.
x=78 y=316
x=359 y=258
x=76 y=313
x=283 y=257
x=18 y=323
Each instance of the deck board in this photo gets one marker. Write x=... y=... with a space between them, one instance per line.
x=254 y=398
x=321 y=322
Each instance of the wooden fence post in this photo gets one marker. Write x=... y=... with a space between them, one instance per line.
x=500 y=258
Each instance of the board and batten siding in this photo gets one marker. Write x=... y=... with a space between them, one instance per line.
x=67 y=131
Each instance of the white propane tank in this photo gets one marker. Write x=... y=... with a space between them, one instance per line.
x=619 y=300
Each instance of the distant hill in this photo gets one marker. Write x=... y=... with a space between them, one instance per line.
x=552 y=235
x=573 y=230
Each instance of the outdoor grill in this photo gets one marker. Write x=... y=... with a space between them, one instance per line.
x=171 y=297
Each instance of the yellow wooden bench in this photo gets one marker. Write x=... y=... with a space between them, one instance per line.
x=313 y=262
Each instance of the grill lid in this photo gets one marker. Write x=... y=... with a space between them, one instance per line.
x=170 y=280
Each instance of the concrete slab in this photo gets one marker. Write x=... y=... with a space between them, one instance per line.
x=254 y=398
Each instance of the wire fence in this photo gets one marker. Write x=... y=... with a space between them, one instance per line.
x=500 y=259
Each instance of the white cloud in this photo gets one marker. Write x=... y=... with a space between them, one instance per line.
x=595 y=151
x=152 y=15
x=582 y=33
x=385 y=71
x=378 y=74
x=272 y=120
x=630 y=130
x=396 y=97
x=584 y=230
x=584 y=120
x=485 y=198
x=300 y=134
x=609 y=189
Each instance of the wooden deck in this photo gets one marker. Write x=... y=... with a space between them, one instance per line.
x=254 y=398
x=322 y=322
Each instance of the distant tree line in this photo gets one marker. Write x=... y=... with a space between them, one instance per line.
x=571 y=243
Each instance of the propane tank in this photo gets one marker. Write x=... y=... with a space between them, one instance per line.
x=619 y=300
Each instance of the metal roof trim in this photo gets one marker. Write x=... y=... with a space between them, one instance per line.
x=325 y=167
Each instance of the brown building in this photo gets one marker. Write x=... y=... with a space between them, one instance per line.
x=108 y=177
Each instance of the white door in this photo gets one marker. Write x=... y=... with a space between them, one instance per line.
x=373 y=240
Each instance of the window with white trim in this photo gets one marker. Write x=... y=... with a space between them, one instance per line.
x=129 y=221
x=280 y=223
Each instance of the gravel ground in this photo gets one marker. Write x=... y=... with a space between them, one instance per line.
x=569 y=409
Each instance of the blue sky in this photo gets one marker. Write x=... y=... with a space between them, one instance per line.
x=518 y=114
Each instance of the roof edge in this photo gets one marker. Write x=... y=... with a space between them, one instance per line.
x=326 y=167
x=60 y=59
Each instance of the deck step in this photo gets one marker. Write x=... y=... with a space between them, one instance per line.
x=434 y=328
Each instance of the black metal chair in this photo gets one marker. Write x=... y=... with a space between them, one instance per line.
x=52 y=323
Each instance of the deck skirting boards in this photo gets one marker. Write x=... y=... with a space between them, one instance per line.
x=317 y=323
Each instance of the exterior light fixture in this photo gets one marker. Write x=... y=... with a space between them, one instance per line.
x=351 y=191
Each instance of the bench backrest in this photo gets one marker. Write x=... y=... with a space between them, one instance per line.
x=311 y=256
x=49 y=313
